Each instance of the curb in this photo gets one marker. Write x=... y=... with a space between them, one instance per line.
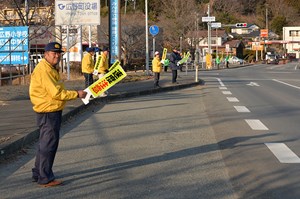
x=33 y=135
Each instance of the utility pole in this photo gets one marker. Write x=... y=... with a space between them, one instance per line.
x=147 y=42
x=209 y=31
x=266 y=17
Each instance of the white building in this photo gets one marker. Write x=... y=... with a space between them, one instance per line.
x=291 y=35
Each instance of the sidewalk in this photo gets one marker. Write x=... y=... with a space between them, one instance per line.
x=18 y=121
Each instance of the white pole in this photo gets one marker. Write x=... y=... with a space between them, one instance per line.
x=180 y=44
x=90 y=36
x=147 y=43
x=80 y=43
x=209 y=32
x=153 y=46
x=68 y=53
x=217 y=42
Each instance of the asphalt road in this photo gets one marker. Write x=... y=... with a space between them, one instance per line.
x=235 y=137
x=254 y=112
x=155 y=146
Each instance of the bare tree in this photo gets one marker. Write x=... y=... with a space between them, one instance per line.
x=133 y=36
x=283 y=9
x=228 y=6
x=177 y=18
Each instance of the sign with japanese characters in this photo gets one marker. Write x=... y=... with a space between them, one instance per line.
x=72 y=12
x=114 y=30
x=14 y=45
x=264 y=33
x=111 y=78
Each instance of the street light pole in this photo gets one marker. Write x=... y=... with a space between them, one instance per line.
x=209 y=32
x=180 y=44
x=147 y=43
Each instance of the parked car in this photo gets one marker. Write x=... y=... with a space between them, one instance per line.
x=272 y=59
x=36 y=58
x=235 y=60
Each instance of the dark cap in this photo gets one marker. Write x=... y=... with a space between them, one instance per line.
x=54 y=47
x=105 y=49
x=91 y=49
x=97 y=49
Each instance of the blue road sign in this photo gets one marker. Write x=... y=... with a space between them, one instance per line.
x=14 y=58
x=14 y=45
x=153 y=30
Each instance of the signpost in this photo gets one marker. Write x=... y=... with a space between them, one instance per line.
x=209 y=19
x=70 y=12
x=154 y=30
x=216 y=25
x=75 y=12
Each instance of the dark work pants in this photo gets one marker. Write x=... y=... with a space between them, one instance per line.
x=174 y=76
x=49 y=126
x=156 y=79
x=88 y=79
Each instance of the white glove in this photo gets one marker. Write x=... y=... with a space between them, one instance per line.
x=95 y=72
x=162 y=61
x=178 y=63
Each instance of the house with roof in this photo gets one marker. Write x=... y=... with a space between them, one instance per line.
x=291 y=40
x=221 y=42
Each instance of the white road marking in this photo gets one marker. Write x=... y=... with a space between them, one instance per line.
x=223 y=87
x=253 y=84
x=242 y=109
x=256 y=124
x=286 y=84
x=283 y=153
x=220 y=81
x=226 y=92
x=232 y=99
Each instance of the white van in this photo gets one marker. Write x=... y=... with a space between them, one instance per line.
x=36 y=58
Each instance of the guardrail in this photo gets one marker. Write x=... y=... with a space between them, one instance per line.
x=12 y=72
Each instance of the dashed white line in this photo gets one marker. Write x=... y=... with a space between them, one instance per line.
x=226 y=92
x=283 y=153
x=256 y=124
x=232 y=99
x=220 y=81
x=241 y=109
x=223 y=87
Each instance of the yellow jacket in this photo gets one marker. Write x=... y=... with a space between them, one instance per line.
x=103 y=63
x=156 y=65
x=46 y=90
x=87 y=65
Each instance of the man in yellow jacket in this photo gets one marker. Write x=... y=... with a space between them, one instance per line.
x=103 y=66
x=156 y=68
x=48 y=96
x=87 y=66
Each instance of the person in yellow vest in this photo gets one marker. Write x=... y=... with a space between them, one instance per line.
x=87 y=66
x=103 y=66
x=48 y=97
x=156 y=68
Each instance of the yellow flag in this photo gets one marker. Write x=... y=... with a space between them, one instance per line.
x=96 y=67
x=103 y=84
x=117 y=62
x=164 y=55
